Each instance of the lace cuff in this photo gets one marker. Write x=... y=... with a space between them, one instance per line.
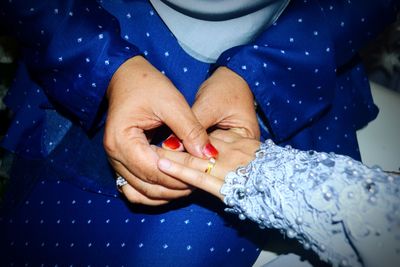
x=328 y=202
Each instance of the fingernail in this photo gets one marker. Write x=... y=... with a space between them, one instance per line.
x=164 y=164
x=210 y=151
x=172 y=142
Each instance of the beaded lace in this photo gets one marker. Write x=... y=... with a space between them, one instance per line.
x=346 y=212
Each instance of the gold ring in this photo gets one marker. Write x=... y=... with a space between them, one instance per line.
x=210 y=166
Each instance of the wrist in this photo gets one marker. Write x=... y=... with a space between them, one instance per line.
x=126 y=69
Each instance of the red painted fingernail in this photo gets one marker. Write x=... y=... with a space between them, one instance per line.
x=172 y=142
x=210 y=151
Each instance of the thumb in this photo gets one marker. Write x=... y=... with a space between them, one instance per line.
x=187 y=128
x=205 y=113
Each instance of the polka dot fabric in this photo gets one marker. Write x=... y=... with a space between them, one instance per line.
x=306 y=76
x=71 y=213
x=61 y=225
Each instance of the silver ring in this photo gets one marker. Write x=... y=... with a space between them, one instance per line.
x=120 y=181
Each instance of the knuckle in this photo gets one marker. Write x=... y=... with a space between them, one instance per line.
x=109 y=144
x=187 y=161
x=194 y=133
x=152 y=176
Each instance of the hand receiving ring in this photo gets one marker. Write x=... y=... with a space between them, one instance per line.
x=210 y=166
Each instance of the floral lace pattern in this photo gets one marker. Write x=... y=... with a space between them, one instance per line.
x=332 y=204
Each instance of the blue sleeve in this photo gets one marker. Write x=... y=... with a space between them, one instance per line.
x=291 y=67
x=72 y=49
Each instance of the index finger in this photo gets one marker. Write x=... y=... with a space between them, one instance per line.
x=140 y=160
x=184 y=124
x=194 y=177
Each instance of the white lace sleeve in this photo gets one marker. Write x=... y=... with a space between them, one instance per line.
x=349 y=214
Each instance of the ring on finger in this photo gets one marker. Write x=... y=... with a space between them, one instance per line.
x=120 y=181
x=210 y=165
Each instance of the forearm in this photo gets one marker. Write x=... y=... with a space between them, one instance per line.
x=330 y=203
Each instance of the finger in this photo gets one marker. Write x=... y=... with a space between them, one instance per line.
x=193 y=162
x=186 y=127
x=135 y=197
x=183 y=158
x=173 y=143
x=148 y=190
x=140 y=160
x=206 y=113
x=194 y=177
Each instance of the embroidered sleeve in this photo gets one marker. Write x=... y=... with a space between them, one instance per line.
x=332 y=204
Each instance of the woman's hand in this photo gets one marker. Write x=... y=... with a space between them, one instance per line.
x=234 y=151
x=225 y=100
x=140 y=100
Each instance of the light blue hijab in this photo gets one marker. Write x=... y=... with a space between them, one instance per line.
x=206 y=28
